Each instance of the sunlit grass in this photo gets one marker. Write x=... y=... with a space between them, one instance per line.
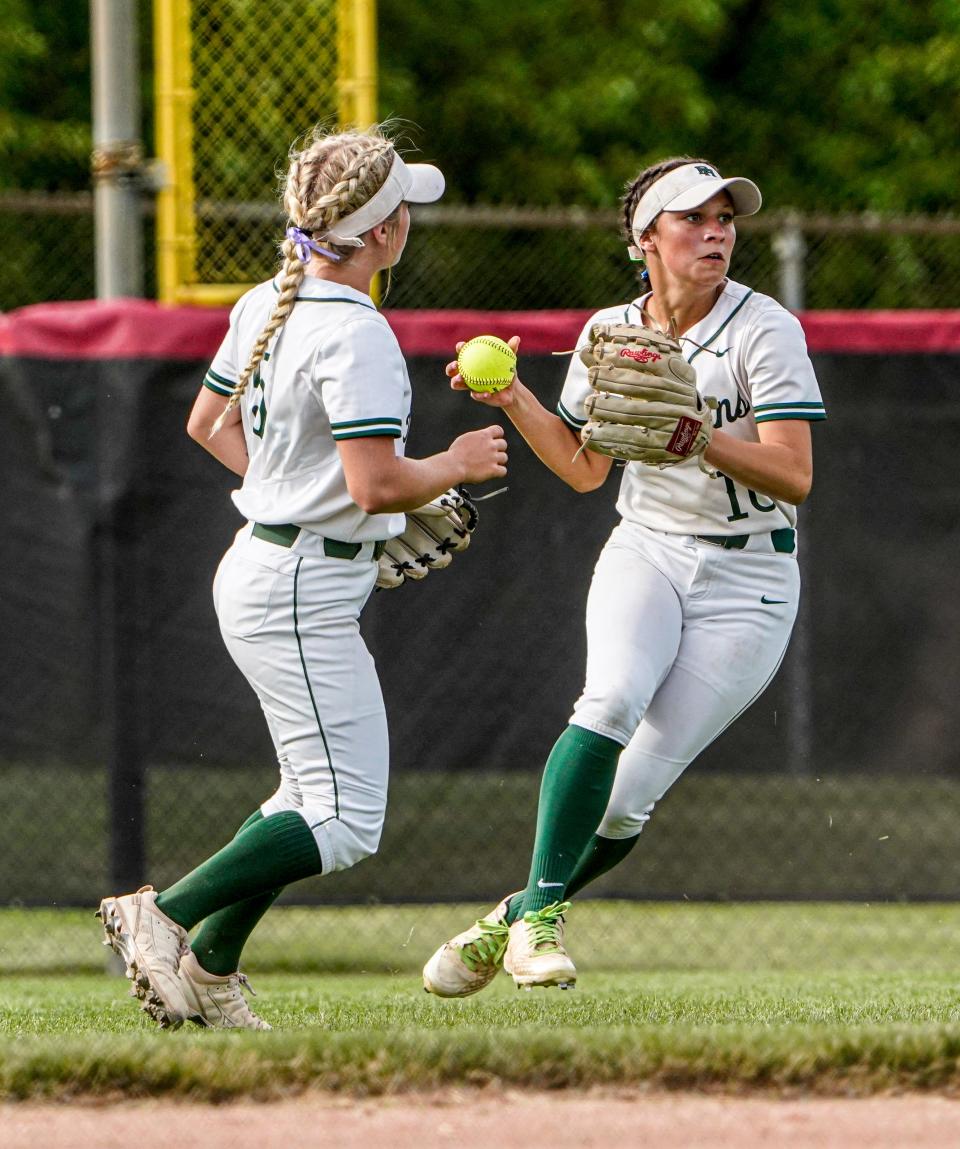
x=749 y=996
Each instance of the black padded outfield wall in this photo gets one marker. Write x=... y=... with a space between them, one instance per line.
x=114 y=521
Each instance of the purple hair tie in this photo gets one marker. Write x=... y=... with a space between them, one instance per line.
x=303 y=241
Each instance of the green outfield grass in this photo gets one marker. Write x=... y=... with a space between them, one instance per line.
x=820 y=997
x=381 y=1033
x=804 y=937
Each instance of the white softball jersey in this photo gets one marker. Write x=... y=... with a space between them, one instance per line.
x=695 y=594
x=334 y=372
x=288 y=601
x=750 y=355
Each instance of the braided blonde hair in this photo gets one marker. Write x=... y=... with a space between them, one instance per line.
x=328 y=178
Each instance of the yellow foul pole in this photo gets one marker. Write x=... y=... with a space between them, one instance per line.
x=357 y=62
x=176 y=235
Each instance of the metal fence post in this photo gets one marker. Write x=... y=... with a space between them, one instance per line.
x=801 y=760
x=117 y=167
x=117 y=160
x=790 y=247
x=115 y=558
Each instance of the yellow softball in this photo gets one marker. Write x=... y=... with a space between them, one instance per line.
x=486 y=363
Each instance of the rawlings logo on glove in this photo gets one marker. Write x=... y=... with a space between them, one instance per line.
x=433 y=534
x=645 y=407
x=644 y=355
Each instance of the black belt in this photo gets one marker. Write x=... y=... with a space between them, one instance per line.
x=286 y=534
x=784 y=540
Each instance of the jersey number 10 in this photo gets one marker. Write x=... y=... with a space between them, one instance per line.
x=735 y=511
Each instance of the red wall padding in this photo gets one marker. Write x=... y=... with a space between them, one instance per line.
x=142 y=329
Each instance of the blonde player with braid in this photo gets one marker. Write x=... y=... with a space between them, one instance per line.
x=308 y=399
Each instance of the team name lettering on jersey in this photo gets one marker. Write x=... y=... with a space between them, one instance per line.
x=750 y=356
x=731 y=414
x=644 y=355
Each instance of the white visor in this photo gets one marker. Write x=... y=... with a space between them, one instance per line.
x=415 y=183
x=688 y=187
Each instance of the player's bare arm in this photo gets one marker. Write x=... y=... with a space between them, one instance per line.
x=546 y=434
x=780 y=466
x=554 y=443
x=228 y=446
x=380 y=481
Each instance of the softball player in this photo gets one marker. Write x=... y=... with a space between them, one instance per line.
x=308 y=399
x=694 y=595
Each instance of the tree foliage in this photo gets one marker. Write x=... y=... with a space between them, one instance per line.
x=549 y=103
x=829 y=104
x=44 y=95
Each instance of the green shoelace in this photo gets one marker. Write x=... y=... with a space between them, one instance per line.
x=544 y=927
x=488 y=949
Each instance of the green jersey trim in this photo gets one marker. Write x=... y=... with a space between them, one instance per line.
x=811 y=410
x=331 y=299
x=357 y=428
x=572 y=422
x=367 y=433
x=775 y=416
x=703 y=346
x=813 y=404
x=364 y=422
x=218 y=384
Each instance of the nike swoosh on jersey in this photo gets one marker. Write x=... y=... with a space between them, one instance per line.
x=709 y=350
x=773 y=601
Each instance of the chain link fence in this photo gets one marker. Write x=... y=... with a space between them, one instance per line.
x=458 y=837
x=219 y=144
x=122 y=709
x=514 y=259
x=228 y=45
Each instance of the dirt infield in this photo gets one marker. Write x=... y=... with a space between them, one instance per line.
x=506 y=1120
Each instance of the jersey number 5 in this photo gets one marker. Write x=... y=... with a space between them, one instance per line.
x=258 y=412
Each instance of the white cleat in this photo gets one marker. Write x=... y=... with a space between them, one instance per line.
x=150 y=945
x=535 y=955
x=471 y=960
x=217 y=1002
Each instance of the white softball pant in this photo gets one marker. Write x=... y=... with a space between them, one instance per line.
x=290 y=619
x=682 y=636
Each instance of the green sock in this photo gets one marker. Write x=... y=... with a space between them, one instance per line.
x=601 y=855
x=576 y=786
x=514 y=908
x=268 y=853
x=255 y=817
x=221 y=938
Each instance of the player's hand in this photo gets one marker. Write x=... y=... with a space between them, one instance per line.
x=506 y=397
x=482 y=454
